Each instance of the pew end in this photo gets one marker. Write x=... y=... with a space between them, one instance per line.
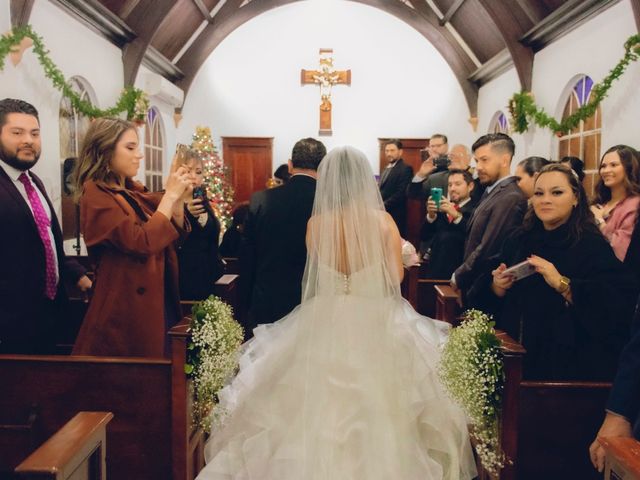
x=622 y=458
x=77 y=450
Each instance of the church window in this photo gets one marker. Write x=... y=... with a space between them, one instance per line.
x=499 y=123
x=584 y=140
x=153 y=150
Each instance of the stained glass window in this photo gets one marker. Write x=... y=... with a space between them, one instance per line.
x=153 y=150
x=584 y=140
x=499 y=123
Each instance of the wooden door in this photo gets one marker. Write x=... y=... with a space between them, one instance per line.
x=250 y=161
x=411 y=148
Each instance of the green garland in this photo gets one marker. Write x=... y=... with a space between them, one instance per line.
x=523 y=108
x=132 y=100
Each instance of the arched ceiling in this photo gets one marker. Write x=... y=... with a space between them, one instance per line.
x=479 y=39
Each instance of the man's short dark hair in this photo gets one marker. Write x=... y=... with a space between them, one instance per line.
x=394 y=141
x=12 y=105
x=468 y=178
x=307 y=154
x=500 y=142
x=441 y=136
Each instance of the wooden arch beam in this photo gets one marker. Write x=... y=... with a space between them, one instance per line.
x=20 y=12
x=426 y=25
x=502 y=16
x=145 y=19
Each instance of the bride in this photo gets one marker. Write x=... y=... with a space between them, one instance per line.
x=345 y=387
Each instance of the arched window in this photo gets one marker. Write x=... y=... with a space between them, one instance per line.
x=153 y=150
x=584 y=140
x=499 y=123
x=73 y=126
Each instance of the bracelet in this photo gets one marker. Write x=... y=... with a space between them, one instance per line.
x=564 y=284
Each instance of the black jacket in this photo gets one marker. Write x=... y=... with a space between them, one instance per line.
x=198 y=257
x=393 y=189
x=447 y=242
x=274 y=252
x=566 y=341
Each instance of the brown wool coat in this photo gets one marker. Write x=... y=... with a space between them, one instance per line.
x=126 y=313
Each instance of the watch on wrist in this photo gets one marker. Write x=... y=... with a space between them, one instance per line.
x=565 y=283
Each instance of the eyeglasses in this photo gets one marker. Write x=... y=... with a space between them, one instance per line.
x=435 y=145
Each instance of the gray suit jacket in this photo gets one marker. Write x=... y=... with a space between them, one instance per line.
x=497 y=215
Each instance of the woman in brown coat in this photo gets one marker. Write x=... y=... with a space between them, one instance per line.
x=130 y=234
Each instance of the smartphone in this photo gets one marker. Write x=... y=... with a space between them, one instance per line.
x=198 y=192
x=181 y=152
x=520 y=270
x=436 y=195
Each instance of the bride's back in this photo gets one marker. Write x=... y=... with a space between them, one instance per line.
x=349 y=232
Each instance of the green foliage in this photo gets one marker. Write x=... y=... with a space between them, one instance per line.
x=472 y=371
x=132 y=100
x=523 y=108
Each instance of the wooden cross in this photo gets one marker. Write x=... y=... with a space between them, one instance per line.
x=326 y=77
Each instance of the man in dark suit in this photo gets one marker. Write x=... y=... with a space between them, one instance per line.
x=430 y=172
x=34 y=266
x=445 y=229
x=501 y=208
x=623 y=406
x=274 y=252
x=394 y=180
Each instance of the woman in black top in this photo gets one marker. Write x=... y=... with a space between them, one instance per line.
x=200 y=262
x=573 y=314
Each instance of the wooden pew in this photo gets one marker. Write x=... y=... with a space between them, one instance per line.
x=622 y=458
x=448 y=304
x=75 y=452
x=409 y=285
x=151 y=436
x=426 y=295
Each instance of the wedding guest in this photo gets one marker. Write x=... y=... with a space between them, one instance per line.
x=232 y=238
x=575 y=164
x=282 y=173
x=33 y=300
x=130 y=234
x=394 y=180
x=198 y=257
x=527 y=171
x=572 y=313
x=623 y=406
x=618 y=196
x=445 y=228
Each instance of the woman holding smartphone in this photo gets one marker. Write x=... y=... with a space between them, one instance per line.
x=131 y=235
x=572 y=314
x=200 y=262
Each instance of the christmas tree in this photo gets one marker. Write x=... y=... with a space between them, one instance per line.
x=216 y=181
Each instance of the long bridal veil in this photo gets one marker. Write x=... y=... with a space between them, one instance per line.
x=344 y=387
x=346 y=233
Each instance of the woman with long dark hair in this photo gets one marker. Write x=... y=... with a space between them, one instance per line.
x=618 y=196
x=572 y=312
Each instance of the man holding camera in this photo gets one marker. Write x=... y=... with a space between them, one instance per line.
x=436 y=163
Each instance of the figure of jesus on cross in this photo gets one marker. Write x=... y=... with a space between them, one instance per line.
x=326 y=77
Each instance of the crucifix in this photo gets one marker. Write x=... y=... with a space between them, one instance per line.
x=326 y=77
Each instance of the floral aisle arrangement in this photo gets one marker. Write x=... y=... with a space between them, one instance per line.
x=472 y=371
x=212 y=355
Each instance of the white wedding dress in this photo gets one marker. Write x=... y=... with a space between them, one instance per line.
x=345 y=387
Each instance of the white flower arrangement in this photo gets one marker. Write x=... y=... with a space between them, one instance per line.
x=212 y=354
x=472 y=370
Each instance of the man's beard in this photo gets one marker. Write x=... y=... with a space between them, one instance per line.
x=13 y=160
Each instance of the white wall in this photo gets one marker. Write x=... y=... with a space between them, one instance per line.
x=401 y=86
x=592 y=49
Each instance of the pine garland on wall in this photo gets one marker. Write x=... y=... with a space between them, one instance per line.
x=524 y=110
x=132 y=100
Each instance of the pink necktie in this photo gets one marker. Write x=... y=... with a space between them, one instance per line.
x=43 y=223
